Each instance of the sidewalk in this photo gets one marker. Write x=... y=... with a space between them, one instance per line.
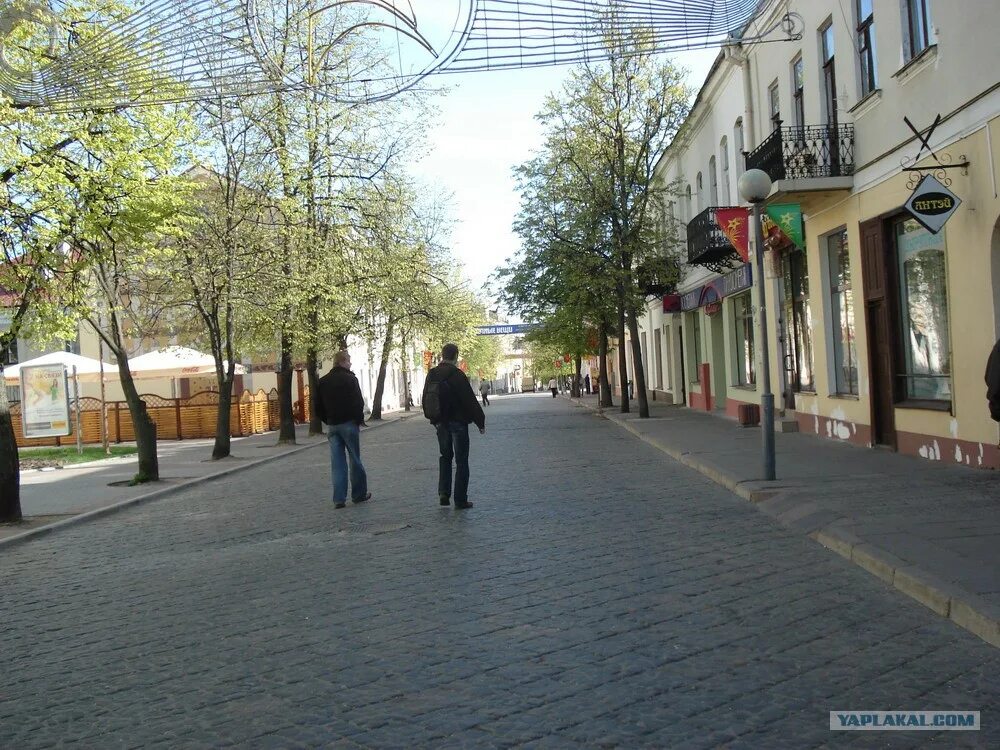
x=932 y=530
x=49 y=497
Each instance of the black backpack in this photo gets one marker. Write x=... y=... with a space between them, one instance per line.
x=437 y=398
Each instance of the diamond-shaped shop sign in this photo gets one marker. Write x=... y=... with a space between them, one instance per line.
x=932 y=204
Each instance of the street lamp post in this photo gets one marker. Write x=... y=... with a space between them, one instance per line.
x=754 y=187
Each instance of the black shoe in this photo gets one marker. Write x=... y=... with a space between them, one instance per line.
x=362 y=499
x=338 y=506
x=444 y=500
x=462 y=506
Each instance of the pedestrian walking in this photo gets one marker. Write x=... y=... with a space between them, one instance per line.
x=553 y=386
x=484 y=391
x=586 y=383
x=450 y=404
x=341 y=407
x=993 y=381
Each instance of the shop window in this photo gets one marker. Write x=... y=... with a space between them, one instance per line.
x=845 y=353
x=923 y=306
x=695 y=326
x=799 y=321
x=745 y=351
x=866 y=46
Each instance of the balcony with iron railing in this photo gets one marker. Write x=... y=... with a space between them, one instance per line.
x=708 y=245
x=815 y=157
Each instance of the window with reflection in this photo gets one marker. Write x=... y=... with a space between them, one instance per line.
x=923 y=303
x=798 y=319
x=745 y=353
x=845 y=353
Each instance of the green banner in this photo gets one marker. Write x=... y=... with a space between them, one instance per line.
x=788 y=218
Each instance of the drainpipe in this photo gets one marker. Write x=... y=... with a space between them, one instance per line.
x=737 y=55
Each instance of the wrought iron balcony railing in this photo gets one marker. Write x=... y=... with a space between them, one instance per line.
x=708 y=245
x=793 y=153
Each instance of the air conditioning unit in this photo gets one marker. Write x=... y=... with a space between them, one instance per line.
x=748 y=415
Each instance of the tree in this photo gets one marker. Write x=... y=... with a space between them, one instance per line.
x=604 y=134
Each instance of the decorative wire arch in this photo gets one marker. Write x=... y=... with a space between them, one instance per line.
x=355 y=50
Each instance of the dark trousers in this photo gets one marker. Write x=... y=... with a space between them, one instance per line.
x=453 y=439
x=486 y=400
x=553 y=392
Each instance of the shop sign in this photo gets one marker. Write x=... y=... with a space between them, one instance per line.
x=691 y=300
x=504 y=330
x=932 y=204
x=44 y=401
x=713 y=308
x=671 y=303
x=738 y=280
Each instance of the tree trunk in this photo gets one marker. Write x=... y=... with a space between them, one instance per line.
x=383 y=366
x=312 y=374
x=10 y=467
x=142 y=425
x=603 y=386
x=223 y=442
x=639 y=372
x=576 y=388
x=286 y=433
x=622 y=363
x=405 y=361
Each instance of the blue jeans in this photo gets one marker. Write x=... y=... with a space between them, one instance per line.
x=453 y=439
x=346 y=436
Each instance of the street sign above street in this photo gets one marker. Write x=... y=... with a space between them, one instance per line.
x=932 y=204
x=504 y=330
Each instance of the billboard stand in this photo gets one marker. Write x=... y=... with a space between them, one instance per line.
x=76 y=396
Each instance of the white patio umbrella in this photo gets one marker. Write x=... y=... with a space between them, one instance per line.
x=87 y=370
x=175 y=362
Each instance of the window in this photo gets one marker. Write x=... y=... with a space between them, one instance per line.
x=738 y=146
x=866 y=46
x=687 y=205
x=918 y=27
x=73 y=347
x=699 y=185
x=713 y=182
x=923 y=303
x=774 y=106
x=799 y=321
x=845 y=354
x=798 y=100
x=829 y=75
x=745 y=353
x=724 y=156
x=695 y=325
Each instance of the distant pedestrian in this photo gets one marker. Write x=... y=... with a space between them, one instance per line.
x=586 y=383
x=553 y=386
x=993 y=381
x=484 y=391
x=341 y=406
x=450 y=404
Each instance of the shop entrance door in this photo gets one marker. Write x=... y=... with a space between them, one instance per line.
x=878 y=320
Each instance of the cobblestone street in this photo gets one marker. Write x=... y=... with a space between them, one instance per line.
x=598 y=595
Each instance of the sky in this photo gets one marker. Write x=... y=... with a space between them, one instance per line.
x=486 y=127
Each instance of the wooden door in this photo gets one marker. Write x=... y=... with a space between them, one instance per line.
x=881 y=341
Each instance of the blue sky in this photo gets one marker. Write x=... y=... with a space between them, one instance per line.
x=487 y=126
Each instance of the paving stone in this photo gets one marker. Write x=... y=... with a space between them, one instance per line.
x=599 y=595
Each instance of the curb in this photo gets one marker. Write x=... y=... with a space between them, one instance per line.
x=91 y=515
x=968 y=611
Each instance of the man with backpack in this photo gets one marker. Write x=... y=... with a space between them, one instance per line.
x=451 y=405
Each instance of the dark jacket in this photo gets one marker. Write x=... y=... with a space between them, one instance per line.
x=462 y=404
x=993 y=381
x=340 y=398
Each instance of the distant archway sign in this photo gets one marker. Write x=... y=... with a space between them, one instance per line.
x=352 y=50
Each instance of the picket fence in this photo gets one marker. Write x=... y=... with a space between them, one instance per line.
x=175 y=418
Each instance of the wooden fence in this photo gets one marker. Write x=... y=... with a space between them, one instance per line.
x=175 y=418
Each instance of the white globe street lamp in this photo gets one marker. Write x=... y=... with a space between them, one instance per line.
x=755 y=186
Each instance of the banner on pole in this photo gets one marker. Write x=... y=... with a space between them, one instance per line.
x=734 y=224
x=786 y=221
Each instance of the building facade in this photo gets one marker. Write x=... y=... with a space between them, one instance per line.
x=879 y=329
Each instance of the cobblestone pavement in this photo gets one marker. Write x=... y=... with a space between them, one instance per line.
x=598 y=595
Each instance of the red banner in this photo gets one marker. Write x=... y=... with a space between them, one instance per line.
x=735 y=224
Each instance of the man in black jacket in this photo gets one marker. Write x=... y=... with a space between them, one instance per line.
x=342 y=407
x=459 y=407
x=993 y=381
